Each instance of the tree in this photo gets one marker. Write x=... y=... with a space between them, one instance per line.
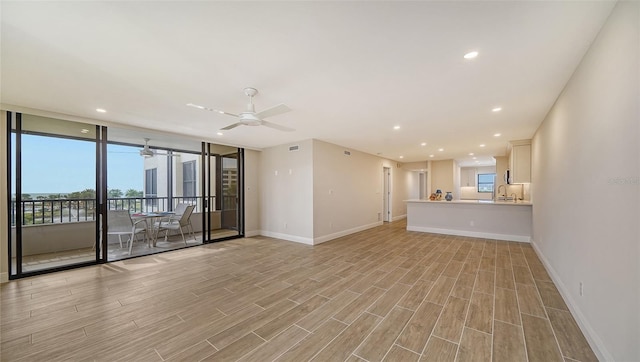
x=85 y=194
x=26 y=196
x=114 y=194
x=134 y=193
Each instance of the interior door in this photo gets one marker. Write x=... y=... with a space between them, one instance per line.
x=386 y=195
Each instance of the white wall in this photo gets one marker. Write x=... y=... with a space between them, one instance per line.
x=586 y=189
x=442 y=176
x=286 y=197
x=347 y=191
x=251 y=192
x=402 y=181
x=321 y=194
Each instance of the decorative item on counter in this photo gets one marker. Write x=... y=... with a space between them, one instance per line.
x=432 y=197
x=438 y=195
x=448 y=197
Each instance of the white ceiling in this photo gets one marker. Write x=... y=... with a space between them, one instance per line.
x=349 y=71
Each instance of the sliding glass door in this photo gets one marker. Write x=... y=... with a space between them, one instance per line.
x=68 y=181
x=54 y=205
x=223 y=186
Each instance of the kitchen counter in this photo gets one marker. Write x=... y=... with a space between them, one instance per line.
x=501 y=220
x=480 y=202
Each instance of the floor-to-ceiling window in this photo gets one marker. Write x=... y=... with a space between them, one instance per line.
x=83 y=194
x=54 y=204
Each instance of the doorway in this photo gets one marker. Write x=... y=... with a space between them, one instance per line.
x=386 y=194
x=223 y=216
x=423 y=194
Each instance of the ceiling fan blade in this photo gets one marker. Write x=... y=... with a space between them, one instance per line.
x=273 y=111
x=277 y=126
x=166 y=154
x=231 y=126
x=211 y=109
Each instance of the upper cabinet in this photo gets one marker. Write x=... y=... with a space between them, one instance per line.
x=520 y=161
x=467 y=176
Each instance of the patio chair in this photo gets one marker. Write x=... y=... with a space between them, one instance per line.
x=180 y=209
x=177 y=222
x=120 y=223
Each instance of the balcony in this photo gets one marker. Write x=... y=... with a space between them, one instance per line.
x=57 y=232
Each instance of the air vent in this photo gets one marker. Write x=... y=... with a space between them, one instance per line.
x=293 y=148
x=347 y=153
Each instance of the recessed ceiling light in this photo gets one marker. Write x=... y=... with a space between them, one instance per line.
x=470 y=153
x=423 y=144
x=497 y=135
x=482 y=145
x=84 y=130
x=471 y=55
x=440 y=149
x=100 y=110
x=219 y=133
x=496 y=109
x=401 y=156
x=474 y=158
x=432 y=156
x=477 y=161
x=396 y=127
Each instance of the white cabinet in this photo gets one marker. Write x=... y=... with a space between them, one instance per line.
x=467 y=176
x=520 y=161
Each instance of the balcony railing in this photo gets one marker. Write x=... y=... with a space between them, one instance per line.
x=35 y=212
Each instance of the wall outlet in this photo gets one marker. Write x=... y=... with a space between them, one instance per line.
x=331 y=225
x=285 y=225
x=472 y=223
x=581 y=289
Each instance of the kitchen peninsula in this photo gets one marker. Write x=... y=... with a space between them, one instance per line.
x=475 y=218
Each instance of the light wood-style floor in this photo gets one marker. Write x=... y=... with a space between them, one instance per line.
x=381 y=294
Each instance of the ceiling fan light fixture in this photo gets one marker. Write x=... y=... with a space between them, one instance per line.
x=250 y=117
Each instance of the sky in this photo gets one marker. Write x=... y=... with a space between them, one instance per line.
x=49 y=165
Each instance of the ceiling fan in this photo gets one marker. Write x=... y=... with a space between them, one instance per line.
x=250 y=117
x=148 y=152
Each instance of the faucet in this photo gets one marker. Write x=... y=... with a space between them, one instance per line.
x=515 y=197
x=505 y=192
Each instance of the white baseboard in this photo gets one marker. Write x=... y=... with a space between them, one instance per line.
x=339 y=234
x=294 y=238
x=590 y=334
x=251 y=233
x=4 y=277
x=400 y=217
x=473 y=234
